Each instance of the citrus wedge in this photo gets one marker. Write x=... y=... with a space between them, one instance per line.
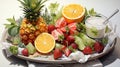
x=73 y=13
x=45 y=43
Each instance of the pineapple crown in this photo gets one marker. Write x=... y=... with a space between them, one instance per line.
x=32 y=8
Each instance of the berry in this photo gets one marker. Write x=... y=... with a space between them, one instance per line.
x=51 y=28
x=67 y=52
x=87 y=50
x=70 y=39
x=63 y=47
x=98 y=47
x=56 y=33
x=57 y=53
x=60 y=23
x=75 y=46
x=25 y=52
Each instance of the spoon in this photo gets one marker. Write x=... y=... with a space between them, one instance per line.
x=115 y=12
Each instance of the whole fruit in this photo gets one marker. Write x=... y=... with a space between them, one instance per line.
x=75 y=46
x=70 y=39
x=57 y=53
x=51 y=28
x=98 y=47
x=87 y=50
x=25 y=52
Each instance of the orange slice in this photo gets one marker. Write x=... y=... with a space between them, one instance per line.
x=73 y=13
x=45 y=43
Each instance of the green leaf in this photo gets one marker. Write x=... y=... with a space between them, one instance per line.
x=53 y=7
x=92 y=12
x=8 y=26
x=94 y=31
x=61 y=37
x=12 y=20
x=107 y=29
x=13 y=31
x=22 y=45
x=104 y=40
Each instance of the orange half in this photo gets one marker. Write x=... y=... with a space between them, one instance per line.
x=73 y=13
x=45 y=43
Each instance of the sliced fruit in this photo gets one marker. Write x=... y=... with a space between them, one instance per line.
x=57 y=53
x=98 y=47
x=67 y=52
x=56 y=33
x=63 y=47
x=79 y=42
x=73 y=32
x=25 y=52
x=73 y=13
x=87 y=50
x=31 y=48
x=72 y=26
x=45 y=43
x=60 y=23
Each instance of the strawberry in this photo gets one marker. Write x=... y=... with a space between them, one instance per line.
x=25 y=52
x=51 y=28
x=73 y=32
x=63 y=47
x=65 y=42
x=98 y=47
x=87 y=50
x=72 y=26
x=63 y=29
x=66 y=35
x=57 y=53
x=75 y=46
x=61 y=23
x=70 y=39
x=56 y=33
x=67 y=52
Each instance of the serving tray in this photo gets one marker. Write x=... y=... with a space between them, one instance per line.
x=50 y=60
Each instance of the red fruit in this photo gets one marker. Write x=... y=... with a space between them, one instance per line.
x=75 y=46
x=57 y=53
x=87 y=50
x=67 y=52
x=66 y=35
x=25 y=52
x=51 y=28
x=56 y=33
x=65 y=42
x=70 y=39
x=98 y=47
x=61 y=23
x=63 y=29
x=72 y=26
x=73 y=32
x=63 y=47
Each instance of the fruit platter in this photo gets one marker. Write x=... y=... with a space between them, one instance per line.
x=57 y=34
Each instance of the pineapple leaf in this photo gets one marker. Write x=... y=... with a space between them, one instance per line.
x=22 y=2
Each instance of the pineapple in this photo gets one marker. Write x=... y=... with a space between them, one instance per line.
x=32 y=24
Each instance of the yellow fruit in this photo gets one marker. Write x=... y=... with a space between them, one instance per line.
x=45 y=43
x=32 y=31
x=73 y=13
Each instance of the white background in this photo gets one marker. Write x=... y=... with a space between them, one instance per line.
x=10 y=8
